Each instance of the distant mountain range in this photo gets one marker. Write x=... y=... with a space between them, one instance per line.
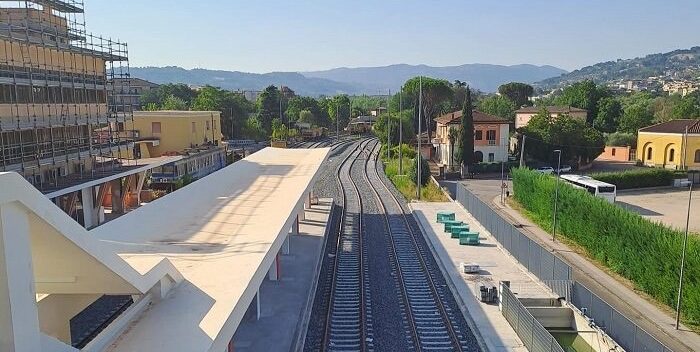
x=677 y=64
x=364 y=80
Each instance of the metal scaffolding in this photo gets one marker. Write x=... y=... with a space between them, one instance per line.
x=61 y=115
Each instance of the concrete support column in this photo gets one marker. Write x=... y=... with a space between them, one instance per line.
x=257 y=305
x=285 y=245
x=274 y=272
x=301 y=213
x=295 y=226
x=142 y=178
x=19 y=318
x=89 y=213
x=307 y=202
x=117 y=197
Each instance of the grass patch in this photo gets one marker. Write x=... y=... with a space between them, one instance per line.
x=429 y=193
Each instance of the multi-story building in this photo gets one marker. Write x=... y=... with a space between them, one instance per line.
x=193 y=135
x=55 y=116
x=490 y=137
x=137 y=87
x=680 y=87
x=673 y=144
x=523 y=115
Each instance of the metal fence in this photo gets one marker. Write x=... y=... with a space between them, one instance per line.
x=534 y=336
x=549 y=268
x=626 y=333
x=557 y=275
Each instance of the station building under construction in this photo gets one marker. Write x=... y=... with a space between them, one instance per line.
x=62 y=117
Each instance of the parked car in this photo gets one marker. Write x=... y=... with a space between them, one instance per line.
x=565 y=169
x=545 y=170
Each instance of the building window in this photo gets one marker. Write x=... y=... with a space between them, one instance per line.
x=478 y=135
x=613 y=151
x=155 y=127
x=671 y=155
x=491 y=157
x=491 y=135
x=649 y=153
x=194 y=127
x=697 y=156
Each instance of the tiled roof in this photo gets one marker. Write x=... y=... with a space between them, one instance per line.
x=479 y=117
x=551 y=109
x=675 y=126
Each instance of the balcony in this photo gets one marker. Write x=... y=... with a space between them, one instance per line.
x=492 y=142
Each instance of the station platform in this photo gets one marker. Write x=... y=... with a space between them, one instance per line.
x=193 y=260
x=286 y=302
x=491 y=327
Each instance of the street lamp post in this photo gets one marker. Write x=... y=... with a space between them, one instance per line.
x=556 y=196
x=685 y=245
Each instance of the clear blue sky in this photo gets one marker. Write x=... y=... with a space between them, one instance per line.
x=271 y=35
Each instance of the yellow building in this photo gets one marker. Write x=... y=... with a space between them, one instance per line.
x=668 y=145
x=159 y=133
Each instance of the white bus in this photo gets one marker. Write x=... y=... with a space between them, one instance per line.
x=593 y=186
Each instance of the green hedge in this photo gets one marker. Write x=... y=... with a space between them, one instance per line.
x=645 y=252
x=494 y=167
x=639 y=178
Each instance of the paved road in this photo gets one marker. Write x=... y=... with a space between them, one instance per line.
x=646 y=315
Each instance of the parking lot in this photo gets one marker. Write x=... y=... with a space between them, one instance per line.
x=669 y=206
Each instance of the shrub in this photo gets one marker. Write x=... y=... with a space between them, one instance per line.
x=639 y=178
x=645 y=252
x=412 y=171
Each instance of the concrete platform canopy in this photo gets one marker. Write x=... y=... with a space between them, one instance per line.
x=193 y=260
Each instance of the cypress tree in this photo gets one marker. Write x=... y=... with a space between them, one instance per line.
x=466 y=140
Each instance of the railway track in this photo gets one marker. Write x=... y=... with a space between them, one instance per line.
x=413 y=296
x=433 y=325
x=349 y=319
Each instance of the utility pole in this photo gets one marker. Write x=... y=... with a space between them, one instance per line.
x=420 y=117
x=556 y=196
x=388 y=129
x=685 y=241
x=400 y=131
x=503 y=183
x=685 y=149
x=337 y=122
x=522 y=152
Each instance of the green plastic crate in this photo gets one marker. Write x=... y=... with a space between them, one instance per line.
x=469 y=234
x=449 y=223
x=469 y=241
x=456 y=230
x=443 y=216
